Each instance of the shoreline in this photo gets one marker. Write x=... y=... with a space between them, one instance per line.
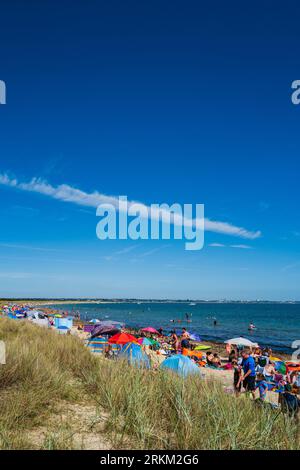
x=51 y=301
x=218 y=345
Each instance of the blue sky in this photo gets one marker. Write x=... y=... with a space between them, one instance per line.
x=162 y=102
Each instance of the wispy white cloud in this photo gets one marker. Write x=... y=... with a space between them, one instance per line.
x=291 y=266
x=128 y=249
x=154 y=250
x=15 y=275
x=243 y=247
x=26 y=247
x=114 y=256
x=67 y=193
x=221 y=245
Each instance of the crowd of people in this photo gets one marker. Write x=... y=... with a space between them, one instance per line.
x=254 y=370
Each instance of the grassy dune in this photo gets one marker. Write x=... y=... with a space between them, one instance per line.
x=55 y=395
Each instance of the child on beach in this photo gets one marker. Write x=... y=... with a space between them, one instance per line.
x=262 y=386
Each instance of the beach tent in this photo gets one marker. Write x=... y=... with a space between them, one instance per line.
x=180 y=364
x=94 y=320
x=64 y=321
x=98 y=345
x=240 y=341
x=12 y=316
x=62 y=330
x=149 y=329
x=135 y=355
x=40 y=322
x=122 y=338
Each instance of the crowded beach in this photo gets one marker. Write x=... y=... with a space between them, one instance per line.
x=246 y=370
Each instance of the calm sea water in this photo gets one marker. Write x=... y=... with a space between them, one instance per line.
x=278 y=325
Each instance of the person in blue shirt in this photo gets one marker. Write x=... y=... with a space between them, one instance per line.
x=249 y=374
x=262 y=386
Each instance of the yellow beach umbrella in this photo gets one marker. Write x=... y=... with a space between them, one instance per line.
x=275 y=359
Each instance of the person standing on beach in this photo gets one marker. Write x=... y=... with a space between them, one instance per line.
x=175 y=341
x=248 y=379
x=237 y=372
x=185 y=339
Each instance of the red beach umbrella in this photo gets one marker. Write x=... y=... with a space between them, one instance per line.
x=122 y=338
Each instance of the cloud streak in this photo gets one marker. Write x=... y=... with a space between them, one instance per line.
x=67 y=193
x=221 y=245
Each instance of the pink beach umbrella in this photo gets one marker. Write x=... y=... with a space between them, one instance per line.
x=149 y=329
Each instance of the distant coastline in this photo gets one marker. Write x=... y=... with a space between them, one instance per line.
x=50 y=301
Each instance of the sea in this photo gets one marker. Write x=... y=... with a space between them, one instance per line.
x=277 y=324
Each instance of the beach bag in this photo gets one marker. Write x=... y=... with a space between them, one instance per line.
x=290 y=403
x=263 y=361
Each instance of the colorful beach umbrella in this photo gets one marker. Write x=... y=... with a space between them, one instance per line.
x=241 y=342
x=145 y=341
x=150 y=329
x=104 y=329
x=275 y=359
x=280 y=367
x=122 y=338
